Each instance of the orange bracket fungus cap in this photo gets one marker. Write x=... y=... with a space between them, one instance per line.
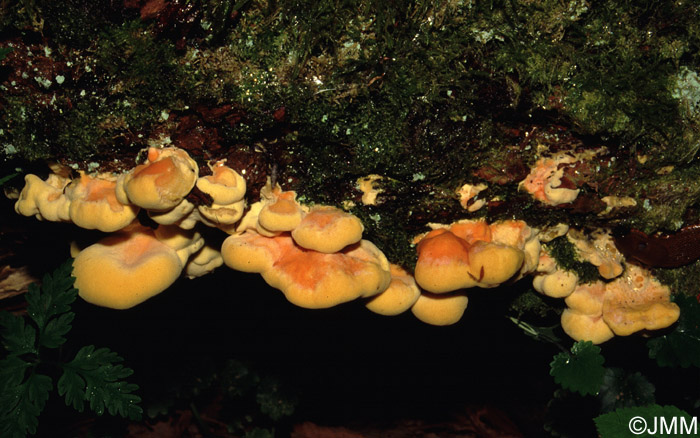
x=471 y=231
x=125 y=269
x=400 y=296
x=328 y=230
x=587 y=298
x=203 y=262
x=637 y=301
x=44 y=199
x=317 y=280
x=94 y=205
x=183 y=215
x=440 y=309
x=584 y=327
x=224 y=185
x=227 y=190
x=162 y=182
x=558 y=284
x=492 y=263
x=443 y=262
x=284 y=214
x=252 y=252
x=308 y=278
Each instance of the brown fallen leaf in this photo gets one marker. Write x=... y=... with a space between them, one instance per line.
x=14 y=281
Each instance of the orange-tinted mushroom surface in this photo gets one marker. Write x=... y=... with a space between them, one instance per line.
x=125 y=269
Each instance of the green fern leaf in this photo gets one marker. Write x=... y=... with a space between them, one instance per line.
x=72 y=386
x=581 y=371
x=20 y=405
x=56 y=329
x=18 y=337
x=12 y=371
x=52 y=300
x=95 y=376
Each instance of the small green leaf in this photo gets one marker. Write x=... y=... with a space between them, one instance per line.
x=645 y=422
x=18 y=337
x=54 y=297
x=56 y=329
x=623 y=390
x=49 y=305
x=581 y=371
x=681 y=347
x=12 y=371
x=95 y=376
x=72 y=386
x=21 y=405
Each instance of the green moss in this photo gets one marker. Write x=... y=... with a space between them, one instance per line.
x=566 y=256
x=23 y=130
x=424 y=93
x=664 y=201
x=610 y=69
x=683 y=280
x=530 y=303
x=75 y=23
x=141 y=69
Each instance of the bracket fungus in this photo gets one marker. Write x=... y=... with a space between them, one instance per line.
x=282 y=214
x=316 y=254
x=44 y=199
x=465 y=254
x=632 y=302
x=328 y=230
x=94 y=204
x=599 y=250
x=468 y=195
x=203 y=262
x=309 y=278
x=160 y=184
x=227 y=189
x=636 y=301
x=552 y=280
x=125 y=269
x=398 y=297
x=440 y=309
x=443 y=262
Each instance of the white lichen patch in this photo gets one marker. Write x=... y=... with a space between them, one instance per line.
x=687 y=91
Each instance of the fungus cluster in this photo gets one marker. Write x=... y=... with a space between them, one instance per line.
x=136 y=262
x=627 y=300
x=632 y=302
x=469 y=254
x=316 y=255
